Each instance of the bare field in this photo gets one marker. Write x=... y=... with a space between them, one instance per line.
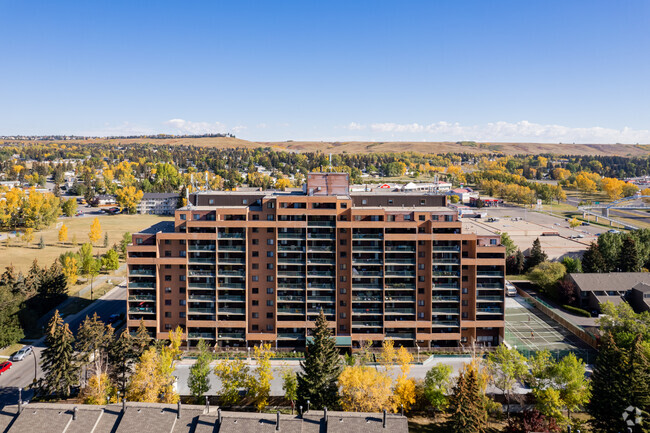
x=22 y=256
x=388 y=146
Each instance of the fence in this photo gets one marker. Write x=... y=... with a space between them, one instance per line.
x=545 y=308
x=587 y=355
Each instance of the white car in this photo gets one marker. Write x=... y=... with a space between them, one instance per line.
x=511 y=290
x=22 y=353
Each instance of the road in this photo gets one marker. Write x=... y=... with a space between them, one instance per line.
x=21 y=373
x=632 y=215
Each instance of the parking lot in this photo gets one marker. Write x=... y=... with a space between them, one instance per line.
x=524 y=226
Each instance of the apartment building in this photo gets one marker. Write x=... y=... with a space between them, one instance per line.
x=240 y=268
x=156 y=203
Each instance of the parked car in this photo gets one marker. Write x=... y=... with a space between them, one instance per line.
x=22 y=353
x=585 y=223
x=511 y=290
x=613 y=231
x=114 y=318
x=5 y=366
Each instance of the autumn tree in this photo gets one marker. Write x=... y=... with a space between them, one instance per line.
x=70 y=269
x=404 y=390
x=365 y=389
x=468 y=412
x=507 y=368
x=234 y=376
x=282 y=184
x=69 y=207
x=144 y=384
x=290 y=386
x=63 y=234
x=128 y=198
x=95 y=233
x=110 y=260
x=28 y=236
x=261 y=377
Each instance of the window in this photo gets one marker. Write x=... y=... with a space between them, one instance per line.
x=343 y=291
x=256 y=229
x=256 y=327
x=269 y=315
x=343 y=254
x=256 y=241
x=343 y=278
x=364 y=201
x=269 y=266
x=421 y=302
x=256 y=315
x=342 y=328
x=269 y=242
x=256 y=303
x=465 y=315
x=269 y=290
x=270 y=205
x=421 y=291
x=390 y=217
x=168 y=301
x=343 y=241
x=421 y=278
x=449 y=218
x=182 y=315
x=181 y=277
x=183 y=217
x=168 y=241
x=420 y=315
x=422 y=202
x=183 y=254
x=465 y=278
x=244 y=201
x=256 y=266
x=465 y=291
x=168 y=314
x=493 y=241
x=138 y=241
x=390 y=201
x=256 y=217
x=269 y=229
x=407 y=217
x=269 y=303
x=270 y=217
x=344 y=205
x=256 y=253
x=168 y=326
x=168 y=289
x=196 y=216
x=342 y=303
x=168 y=266
x=342 y=315
x=344 y=266
x=256 y=278
x=255 y=290
x=181 y=242
x=465 y=302
x=168 y=253
x=269 y=327
x=168 y=277
x=269 y=278
x=421 y=217
x=182 y=302
x=269 y=254
x=420 y=254
x=421 y=266
x=211 y=201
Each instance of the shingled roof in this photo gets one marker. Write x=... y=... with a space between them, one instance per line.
x=164 y=418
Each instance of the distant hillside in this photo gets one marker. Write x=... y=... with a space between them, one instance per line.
x=392 y=146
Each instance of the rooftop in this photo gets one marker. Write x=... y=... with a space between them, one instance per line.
x=163 y=226
x=613 y=281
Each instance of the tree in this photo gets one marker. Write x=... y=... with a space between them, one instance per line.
x=142 y=339
x=105 y=240
x=629 y=259
x=572 y=266
x=234 y=375
x=120 y=357
x=41 y=243
x=468 y=412
x=320 y=368
x=569 y=376
x=144 y=385
x=365 y=389
x=95 y=233
x=536 y=256
x=260 y=383
x=110 y=260
x=199 y=380
x=97 y=390
x=282 y=184
x=515 y=263
x=70 y=269
x=69 y=207
x=404 y=391
x=28 y=236
x=290 y=386
x=532 y=421
x=93 y=340
x=169 y=354
x=93 y=271
x=10 y=330
x=124 y=243
x=57 y=359
x=128 y=198
x=437 y=384
x=593 y=261
x=574 y=222
x=507 y=242
x=507 y=368
x=547 y=274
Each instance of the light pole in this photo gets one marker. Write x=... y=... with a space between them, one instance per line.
x=35 y=365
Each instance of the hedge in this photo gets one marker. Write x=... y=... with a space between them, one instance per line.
x=576 y=310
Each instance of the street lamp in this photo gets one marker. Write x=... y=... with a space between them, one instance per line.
x=35 y=365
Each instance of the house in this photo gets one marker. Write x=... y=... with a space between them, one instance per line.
x=592 y=289
x=103 y=200
x=157 y=203
x=639 y=297
x=158 y=418
x=464 y=194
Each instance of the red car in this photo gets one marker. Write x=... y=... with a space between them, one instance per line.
x=5 y=366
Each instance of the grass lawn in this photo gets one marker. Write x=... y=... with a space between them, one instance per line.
x=22 y=256
x=422 y=424
x=10 y=350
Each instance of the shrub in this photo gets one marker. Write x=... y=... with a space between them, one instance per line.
x=576 y=310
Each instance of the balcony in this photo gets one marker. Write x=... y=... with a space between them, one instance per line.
x=290 y=286
x=291 y=235
x=489 y=274
x=393 y=310
x=445 y=286
x=373 y=311
x=195 y=260
x=370 y=249
x=319 y=261
x=328 y=236
x=370 y=236
x=231 y=298
x=321 y=223
x=447 y=274
x=292 y=336
x=228 y=273
x=291 y=248
x=142 y=272
x=445 y=324
x=400 y=248
x=282 y=260
x=391 y=261
x=201 y=285
x=401 y=335
x=198 y=310
x=201 y=336
x=232 y=248
x=366 y=298
x=231 y=336
x=210 y=247
x=290 y=274
x=318 y=310
x=232 y=286
x=485 y=298
x=231 y=261
x=223 y=235
x=445 y=299
x=366 y=324
x=445 y=261
x=489 y=310
x=320 y=286
x=193 y=273
x=440 y=248
x=321 y=248
x=209 y=298
x=444 y=311
x=151 y=285
x=325 y=274
x=406 y=274
x=320 y=299
x=291 y=299
x=356 y=273
x=489 y=286
x=399 y=298
x=399 y=286
x=222 y=310
x=358 y=261
x=142 y=297
x=142 y=310
x=286 y=310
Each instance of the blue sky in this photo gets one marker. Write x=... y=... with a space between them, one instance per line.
x=559 y=71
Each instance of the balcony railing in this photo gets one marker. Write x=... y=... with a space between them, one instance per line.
x=320 y=299
x=231 y=336
x=313 y=273
x=444 y=311
x=201 y=247
x=197 y=310
x=446 y=261
x=193 y=297
x=201 y=260
x=367 y=236
x=201 y=335
x=400 y=248
x=192 y=273
x=222 y=235
x=399 y=298
x=291 y=310
x=366 y=324
x=366 y=274
x=292 y=336
x=489 y=310
x=142 y=297
x=240 y=248
x=144 y=310
x=489 y=273
x=151 y=285
x=400 y=310
x=232 y=261
x=313 y=261
x=290 y=248
x=291 y=299
x=222 y=310
x=366 y=298
x=445 y=286
x=232 y=286
x=142 y=272
x=400 y=261
x=201 y=285
x=283 y=235
x=232 y=298
x=329 y=236
x=436 y=248
x=366 y=310
x=407 y=274
x=374 y=249
x=225 y=273
x=452 y=274
x=482 y=298
x=445 y=323
x=320 y=286
x=489 y=286
x=357 y=261
x=445 y=299
x=290 y=260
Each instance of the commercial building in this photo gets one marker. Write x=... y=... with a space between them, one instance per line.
x=156 y=203
x=240 y=268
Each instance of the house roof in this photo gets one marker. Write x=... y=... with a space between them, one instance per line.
x=159 y=418
x=159 y=195
x=613 y=281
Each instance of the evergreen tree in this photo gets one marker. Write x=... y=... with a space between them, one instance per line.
x=317 y=382
x=629 y=259
x=468 y=413
x=608 y=383
x=93 y=340
x=10 y=330
x=638 y=375
x=41 y=243
x=121 y=355
x=593 y=261
x=54 y=285
x=142 y=339
x=536 y=256
x=57 y=358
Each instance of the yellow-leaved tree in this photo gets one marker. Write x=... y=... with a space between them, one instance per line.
x=388 y=353
x=95 y=233
x=404 y=387
x=63 y=234
x=282 y=184
x=70 y=269
x=365 y=389
x=260 y=381
x=144 y=384
x=28 y=236
x=97 y=389
x=128 y=198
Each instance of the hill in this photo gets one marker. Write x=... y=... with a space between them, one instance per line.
x=384 y=147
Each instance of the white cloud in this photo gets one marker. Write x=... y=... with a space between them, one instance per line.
x=501 y=131
x=181 y=126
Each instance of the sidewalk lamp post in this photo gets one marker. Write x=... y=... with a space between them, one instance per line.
x=35 y=366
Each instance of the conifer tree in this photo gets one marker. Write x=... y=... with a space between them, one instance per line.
x=536 y=256
x=57 y=359
x=93 y=340
x=142 y=339
x=638 y=374
x=121 y=355
x=593 y=260
x=468 y=413
x=317 y=382
x=629 y=259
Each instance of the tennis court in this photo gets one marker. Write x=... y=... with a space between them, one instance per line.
x=530 y=330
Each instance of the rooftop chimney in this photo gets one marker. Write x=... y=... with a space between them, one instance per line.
x=178 y=411
x=74 y=413
x=383 y=424
x=277 y=421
